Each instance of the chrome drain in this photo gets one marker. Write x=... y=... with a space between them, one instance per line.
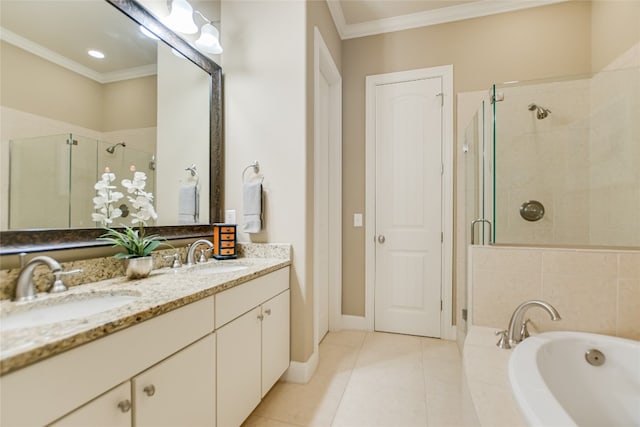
x=595 y=357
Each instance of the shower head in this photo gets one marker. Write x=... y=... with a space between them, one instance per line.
x=112 y=149
x=541 y=112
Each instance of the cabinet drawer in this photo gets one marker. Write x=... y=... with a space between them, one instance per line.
x=236 y=301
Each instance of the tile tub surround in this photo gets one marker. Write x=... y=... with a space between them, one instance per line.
x=486 y=378
x=164 y=290
x=593 y=290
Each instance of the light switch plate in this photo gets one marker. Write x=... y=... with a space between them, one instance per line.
x=357 y=220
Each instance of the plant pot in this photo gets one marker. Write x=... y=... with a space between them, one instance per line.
x=138 y=268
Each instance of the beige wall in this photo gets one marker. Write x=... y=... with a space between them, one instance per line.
x=34 y=85
x=529 y=44
x=615 y=34
x=264 y=69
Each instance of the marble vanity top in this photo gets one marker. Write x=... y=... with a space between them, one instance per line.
x=164 y=290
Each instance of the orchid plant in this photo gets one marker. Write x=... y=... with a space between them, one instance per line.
x=134 y=241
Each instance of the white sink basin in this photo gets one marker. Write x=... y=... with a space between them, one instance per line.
x=64 y=308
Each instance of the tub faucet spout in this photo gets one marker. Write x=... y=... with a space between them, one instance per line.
x=517 y=326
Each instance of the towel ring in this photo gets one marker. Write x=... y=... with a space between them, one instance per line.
x=256 y=168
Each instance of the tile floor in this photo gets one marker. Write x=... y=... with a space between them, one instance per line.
x=367 y=379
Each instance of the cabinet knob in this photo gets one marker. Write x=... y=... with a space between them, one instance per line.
x=125 y=405
x=149 y=390
x=268 y=311
x=260 y=316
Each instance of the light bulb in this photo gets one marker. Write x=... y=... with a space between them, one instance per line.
x=181 y=17
x=209 y=40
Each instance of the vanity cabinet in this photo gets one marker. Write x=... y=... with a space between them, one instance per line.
x=83 y=379
x=112 y=409
x=253 y=344
x=177 y=391
x=180 y=391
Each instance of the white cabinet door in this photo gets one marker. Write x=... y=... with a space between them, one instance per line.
x=275 y=340
x=179 y=391
x=112 y=409
x=238 y=368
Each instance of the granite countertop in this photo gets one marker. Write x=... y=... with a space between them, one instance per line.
x=164 y=290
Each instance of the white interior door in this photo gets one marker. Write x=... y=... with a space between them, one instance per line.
x=408 y=206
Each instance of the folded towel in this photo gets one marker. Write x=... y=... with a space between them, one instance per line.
x=188 y=202
x=252 y=207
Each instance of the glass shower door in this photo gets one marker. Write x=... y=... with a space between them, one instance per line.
x=39 y=182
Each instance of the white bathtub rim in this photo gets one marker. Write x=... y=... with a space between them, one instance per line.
x=528 y=385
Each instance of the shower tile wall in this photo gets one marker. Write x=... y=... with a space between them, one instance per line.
x=594 y=290
x=545 y=160
x=582 y=162
x=615 y=148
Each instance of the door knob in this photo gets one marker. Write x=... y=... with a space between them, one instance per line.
x=125 y=405
x=381 y=239
x=149 y=390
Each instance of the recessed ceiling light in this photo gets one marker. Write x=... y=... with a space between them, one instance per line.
x=96 y=54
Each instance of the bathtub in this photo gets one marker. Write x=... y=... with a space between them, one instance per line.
x=555 y=385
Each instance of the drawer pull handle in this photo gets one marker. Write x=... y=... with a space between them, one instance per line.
x=149 y=390
x=125 y=406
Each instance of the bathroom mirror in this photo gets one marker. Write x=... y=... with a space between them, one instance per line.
x=172 y=141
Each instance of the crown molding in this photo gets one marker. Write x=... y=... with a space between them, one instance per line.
x=427 y=18
x=63 y=61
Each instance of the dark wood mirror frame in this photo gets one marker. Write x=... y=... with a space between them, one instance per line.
x=13 y=242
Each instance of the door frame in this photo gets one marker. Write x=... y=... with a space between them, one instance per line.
x=324 y=65
x=447 y=329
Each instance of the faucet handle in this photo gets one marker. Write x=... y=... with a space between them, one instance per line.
x=202 y=257
x=524 y=331
x=58 y=284
x=176 y=260
x=503 y=342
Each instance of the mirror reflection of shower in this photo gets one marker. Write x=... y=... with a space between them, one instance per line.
x=541 y=112
x=112 y=148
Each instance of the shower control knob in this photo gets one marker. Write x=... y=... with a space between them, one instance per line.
x=381 y=239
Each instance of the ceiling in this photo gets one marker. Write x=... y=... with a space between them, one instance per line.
x=359 y=18
x=63 y=32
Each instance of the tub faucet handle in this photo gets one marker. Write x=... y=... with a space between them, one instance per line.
x=524 y=331
x=503 y=342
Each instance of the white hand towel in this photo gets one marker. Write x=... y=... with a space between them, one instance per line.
x=252 y=207
x=188 y=204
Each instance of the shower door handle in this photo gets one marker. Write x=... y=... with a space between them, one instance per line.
x=473 y=225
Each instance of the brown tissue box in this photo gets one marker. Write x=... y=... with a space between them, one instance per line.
x=224 y=241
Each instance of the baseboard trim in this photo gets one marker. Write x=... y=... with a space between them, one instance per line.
x=301 y=372
x=354 y=322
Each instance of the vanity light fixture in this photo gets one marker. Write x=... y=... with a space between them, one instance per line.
x=209 y=40
x=95 y=54
x=181 y=17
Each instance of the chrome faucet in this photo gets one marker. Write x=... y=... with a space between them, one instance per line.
x=26 y=289
x=517 y=330
x=191 y=254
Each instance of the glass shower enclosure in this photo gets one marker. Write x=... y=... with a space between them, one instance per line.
x=556 y=162
x=52 y=178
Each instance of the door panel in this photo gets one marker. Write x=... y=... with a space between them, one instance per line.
x=408 y=207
